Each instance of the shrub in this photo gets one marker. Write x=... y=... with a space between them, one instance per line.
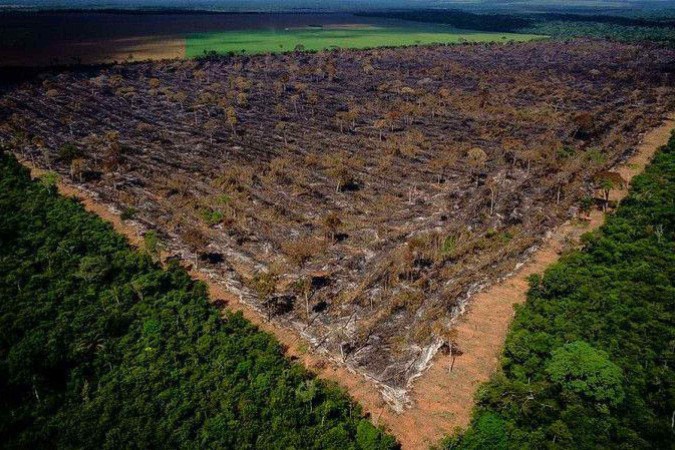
x=69 y=152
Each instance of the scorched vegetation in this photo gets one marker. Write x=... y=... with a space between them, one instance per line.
x=360 y=197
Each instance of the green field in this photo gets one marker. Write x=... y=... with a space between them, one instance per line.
x=322 y=38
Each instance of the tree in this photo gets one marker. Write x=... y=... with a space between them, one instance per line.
x=299 y=251
x=529 y=156
x=352 y=115
x=232 y=119
x=493 y=186
x=200 y=75
x=331 y=223
x=560 y=179
x=431 y=103
x=68 y=152
x=584 y=123
x=306 y=392
x=211 y=126
x=242 y=99
x=304 y=287
x=476 y=159
x=370 y=438
x=340 y=120
x=341 y=173
x=392 y=118
x=265 y=285
x=581 y=369
x=512 y=148
x=295 y=99
x=606 y=181
x=487 y=432
x=409 y=111
x=113 y=154
x=152 y=244
x=181 y=98
x=330 y=70
x=443 y=163
x=280 y=128
x=312 y=99
x=380 y=125
x=77 y=169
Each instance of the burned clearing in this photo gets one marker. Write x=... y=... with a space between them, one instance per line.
x=360 y=197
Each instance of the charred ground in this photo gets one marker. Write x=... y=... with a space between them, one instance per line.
x=360 y=197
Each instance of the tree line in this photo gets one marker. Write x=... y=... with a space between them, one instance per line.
x=629 y=28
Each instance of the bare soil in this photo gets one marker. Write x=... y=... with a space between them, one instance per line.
x=398 y=182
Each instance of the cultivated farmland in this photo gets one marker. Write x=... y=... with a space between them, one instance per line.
x=359 y=197
x=336 y=36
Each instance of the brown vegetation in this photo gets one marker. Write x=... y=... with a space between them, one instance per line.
x=409 y=186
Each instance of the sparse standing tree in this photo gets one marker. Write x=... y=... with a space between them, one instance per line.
x=493 y=185
x=341 y=174
x=380 y=125
x=113 y=155
x=232 y=119
x=280 y=127
x=77 y=168
x=607 y=181
x=332 y=223
x=305 y=288
x=265 y=285
x=181 y=98
x=211 y=126
x=476 y=159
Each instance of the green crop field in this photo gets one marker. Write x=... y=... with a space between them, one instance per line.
x=320 y=38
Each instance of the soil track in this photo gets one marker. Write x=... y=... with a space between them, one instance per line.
x=442 y=399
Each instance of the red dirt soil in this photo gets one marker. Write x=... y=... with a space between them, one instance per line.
x=442 y=399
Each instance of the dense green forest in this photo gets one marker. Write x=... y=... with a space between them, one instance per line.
x=658 y=27
x=589 y=359
x=101 y=348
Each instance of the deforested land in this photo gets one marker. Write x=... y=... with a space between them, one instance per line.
x=358 y=197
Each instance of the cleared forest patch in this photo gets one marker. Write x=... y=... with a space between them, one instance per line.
x=359 y=197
